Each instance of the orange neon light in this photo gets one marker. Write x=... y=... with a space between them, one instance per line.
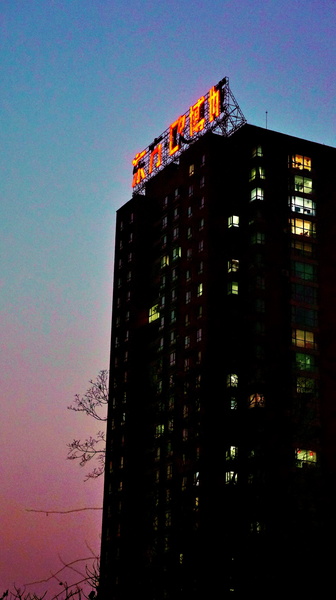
x=214 y=103
x=158 y=153
x=196 y=116
x=175 y=128
x=139 y=171
x=138 y=157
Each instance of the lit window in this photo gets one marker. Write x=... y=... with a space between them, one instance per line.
x=304 y=362
x=173 y=316
x=159 y=430
x=256 y=400
x=189 y=212
x=187 y=341
x=201 y=224
x=164 y=261
x=176 y=193
x=176 y=213
x=177 y=252
x=172 y=337
x=303 y=184
x=297 y=161
x=169 y=471
x=154 y=313
x=196 y=478
x=305 y=206
x=191 y=170
x=257 y=151
x=232 y=288
x=233 y=265
x=232 y=380
x=301 y=227
x=231 y=452
x=305 y=385
x=231 y=477
x=304 y=271
x=305 y=458
x=233 y=404
x=302 y=248
x=233 y=221
x=257 y=194
x=200 y=289
x=257 y=173
x=303 y=338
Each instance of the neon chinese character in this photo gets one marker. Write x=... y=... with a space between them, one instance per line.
x=214 y=103
x=138 y=168
x=175 y=130
x=158 y=153
x=196 y=116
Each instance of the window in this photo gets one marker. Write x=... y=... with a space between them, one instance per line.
x=305 y=385
x=191 y=170
x=304 y=316
x=301 y=227
x=233 y=221
x=302 y=248
x=200 y=246
x=176 y=193
x=305 y=458
x=199 y=335
x=231 y=452
x=256 y=400
x=175 y=233
x=232 y=288
x=303 y=184
x=187 y=341
x=304 y=271
x=303 y=339
x=257 y=151
x=305 y=362
x=257 y=194
x=154 y=313
x=190 y=190
x=159 y=430
x=164 y=261
x=200 y=289
x=233 y=265
x=257 y=172
x=202 y=181
x=304 y=293
x=189 y=212
x=177 y=252
x=232 y=380
x=297 y=161
x=188 y=297
x=231 y=477
x=176 y=213
x=305 y=206
x=257 y=238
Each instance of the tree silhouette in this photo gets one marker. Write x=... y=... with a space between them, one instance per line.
x=93 y=404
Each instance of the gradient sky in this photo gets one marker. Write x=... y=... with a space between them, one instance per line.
x=84 y=85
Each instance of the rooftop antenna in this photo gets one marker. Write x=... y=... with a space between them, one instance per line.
x=266 y=118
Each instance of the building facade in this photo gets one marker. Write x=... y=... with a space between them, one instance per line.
x=221 y=446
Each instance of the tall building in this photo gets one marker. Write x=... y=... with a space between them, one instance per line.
x=221 y=445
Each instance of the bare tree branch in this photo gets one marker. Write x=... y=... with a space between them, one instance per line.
x=93 y=404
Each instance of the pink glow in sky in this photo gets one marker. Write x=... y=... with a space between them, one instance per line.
x=84 y=86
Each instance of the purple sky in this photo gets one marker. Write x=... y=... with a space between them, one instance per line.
x=84 y=85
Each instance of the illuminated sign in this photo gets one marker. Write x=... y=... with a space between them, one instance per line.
x=216 y=110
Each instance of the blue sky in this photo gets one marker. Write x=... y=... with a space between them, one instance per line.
x=84 y=85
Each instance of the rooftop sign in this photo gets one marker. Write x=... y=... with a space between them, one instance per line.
x=216 y=110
